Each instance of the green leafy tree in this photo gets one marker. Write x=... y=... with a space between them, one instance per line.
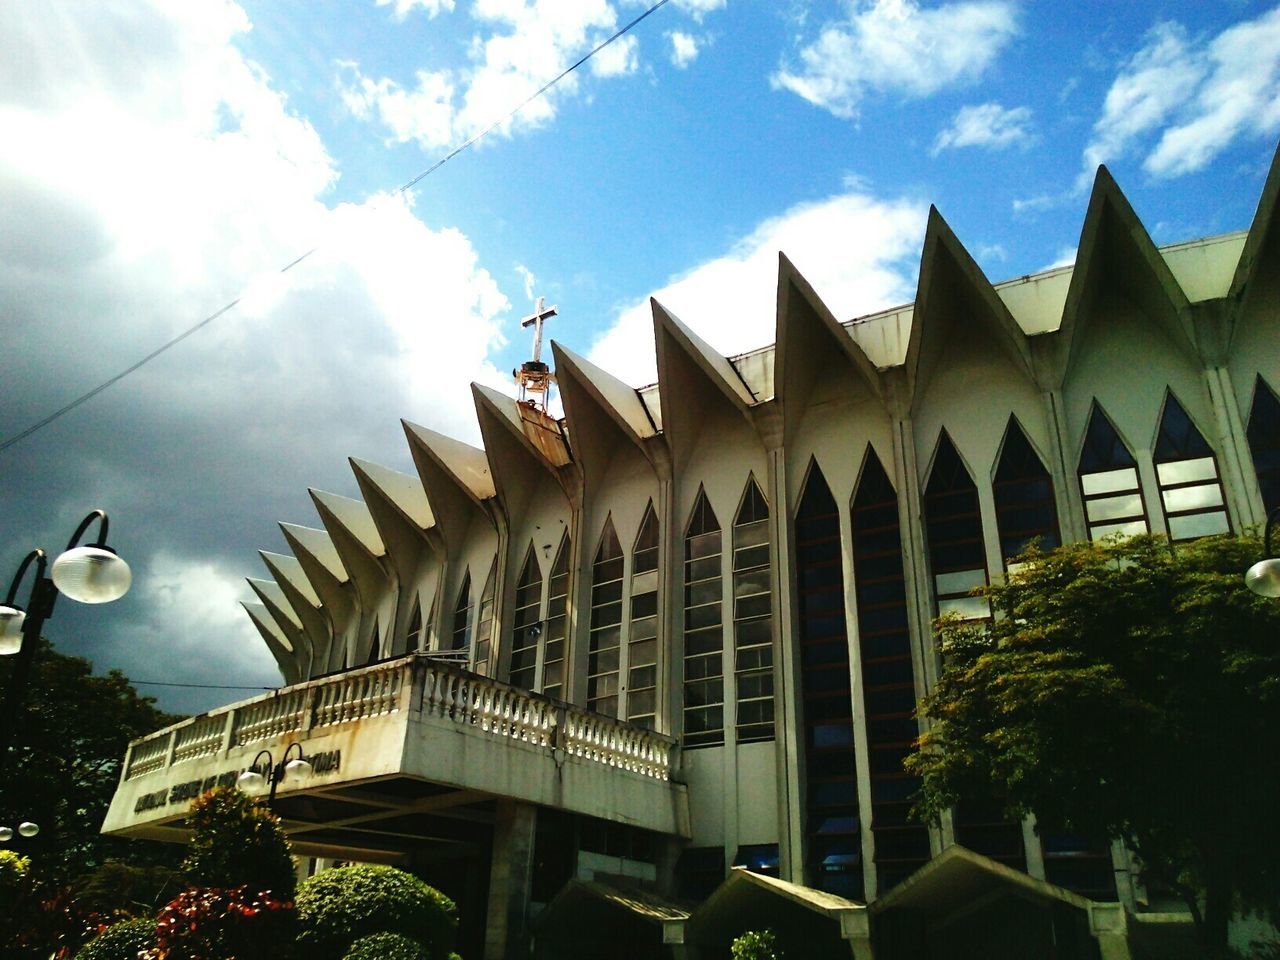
x=64 y=764
x=120 y=941
x=755 y=945
x=1129 y=690
x=235 y=842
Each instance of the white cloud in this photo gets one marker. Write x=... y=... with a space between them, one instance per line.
x=530 y=281
x=897 y=45
x=684 y=48
x=1198 y=96
x=203 y=184
x=985 y=125
x=404 y=7
x=519 y=46
x=861 y=253
x=1065 y=258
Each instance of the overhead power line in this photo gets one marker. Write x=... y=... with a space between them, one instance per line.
x=406 y=186
x=196 y=686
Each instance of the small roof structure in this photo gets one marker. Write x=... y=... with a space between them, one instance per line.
x=596 y=918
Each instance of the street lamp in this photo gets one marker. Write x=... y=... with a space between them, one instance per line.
x=25 y=829
x=1263 y=578
x=89 y=574
x=253 y=779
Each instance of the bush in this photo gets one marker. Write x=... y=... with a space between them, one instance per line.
x=121 y=941
x=755 y=945
x=336 y=907
x=212 y=924
x=386 y=946
x=235 y=842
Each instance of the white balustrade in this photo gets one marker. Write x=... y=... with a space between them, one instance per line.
x=441 y=689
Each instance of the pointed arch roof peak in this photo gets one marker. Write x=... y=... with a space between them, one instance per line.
x=792 y=281
x=318 y=544
x=275 y=600
x=621 y=402
x=534 y=430
x=1115 y=248
x=266 y=624
x=403 y=491
x=717 y=368
x=353 y=516
x=285 y=568
x=1261 y=241
x=949 y=274
x=466 y=465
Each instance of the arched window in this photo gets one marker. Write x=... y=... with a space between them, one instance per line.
x=1109 y=481
x=888 y=683
x=1023 y=491
x=1187 y=472
x=526 y=629
x=606 y=624
x=429 y=632
x=953 y=525
x=462 y=615
x=484 y=621
x=375 y=648
x=703 y=629
x=1264 y=443
x=832 y=826
x=556 y=626
x=414 y=635
x=753 y=617
x=642 y=646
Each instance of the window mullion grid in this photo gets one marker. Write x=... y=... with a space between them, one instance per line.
x=752 y=628
x=703 y=719
x=605 y=638
x=554 y=632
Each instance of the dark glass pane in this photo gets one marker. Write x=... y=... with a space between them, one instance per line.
x=1264 y=443
x=1103 y=448
x=1178 y=438
x=753 y=506
x=703 y=519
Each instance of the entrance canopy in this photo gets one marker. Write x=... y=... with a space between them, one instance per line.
x=405 y=753
x=593 y=918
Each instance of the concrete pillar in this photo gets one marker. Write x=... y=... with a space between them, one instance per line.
x=673 y=936
x=1109 y=925
x=855 y=928
x=509 y=880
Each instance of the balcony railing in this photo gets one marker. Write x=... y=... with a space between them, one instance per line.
x=428 y=686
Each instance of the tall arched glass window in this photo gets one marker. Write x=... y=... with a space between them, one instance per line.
x=753 y=617
x=642 y=645
x=1023 y=491
x=414 y=633
x=703 y=629
x=462 y=615
x=953 y=525
x=606 y=624
x=1264 y=443
x=556 y=626
x=1187 y=472
x=1109 y=481
x=484 y=621
x=526 y=628
x=888 y=682
x=832 y=830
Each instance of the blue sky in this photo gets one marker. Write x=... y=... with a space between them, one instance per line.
x=162 y=158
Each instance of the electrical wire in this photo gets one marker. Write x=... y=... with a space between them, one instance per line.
x=195 y=686
x=403 y=188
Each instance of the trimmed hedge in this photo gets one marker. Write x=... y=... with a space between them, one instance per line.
x=120 y=941
x=339 y=906
x=386 y=946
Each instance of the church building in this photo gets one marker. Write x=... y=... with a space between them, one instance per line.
x=632 y=681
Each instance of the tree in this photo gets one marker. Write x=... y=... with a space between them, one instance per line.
x=236 y=842
x=1131 y=690
x=65 y=761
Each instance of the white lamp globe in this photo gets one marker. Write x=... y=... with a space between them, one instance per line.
x=297 y=768
x=251 y=781
x=28 y=829
x=11 y=621
x=91 y=575
x=1263 y=578
x=6 y=834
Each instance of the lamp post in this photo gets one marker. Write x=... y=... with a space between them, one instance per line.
x=253 y=779
x=89 y=574
x=25 y=829
x=1263 y=578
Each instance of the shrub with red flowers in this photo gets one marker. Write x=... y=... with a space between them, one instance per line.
x=236 y=923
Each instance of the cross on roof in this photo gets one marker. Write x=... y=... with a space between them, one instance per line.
x=535 y=320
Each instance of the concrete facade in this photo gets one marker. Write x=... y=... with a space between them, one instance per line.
x=746 y=557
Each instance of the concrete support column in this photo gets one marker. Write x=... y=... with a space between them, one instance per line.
x=509 y=880
x=855 y=928
x=1109 y=925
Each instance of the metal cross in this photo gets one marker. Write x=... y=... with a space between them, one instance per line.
x=539 y=315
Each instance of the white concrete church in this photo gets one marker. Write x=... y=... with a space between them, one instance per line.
x=628 y=683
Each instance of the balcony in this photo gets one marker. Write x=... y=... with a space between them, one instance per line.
x=407 y=754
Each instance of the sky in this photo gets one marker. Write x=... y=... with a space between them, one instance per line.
x=160 y=159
